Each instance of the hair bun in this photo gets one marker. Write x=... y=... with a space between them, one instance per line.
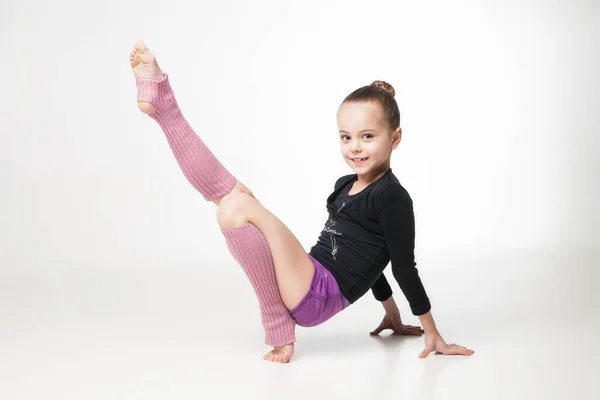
x=385 y=86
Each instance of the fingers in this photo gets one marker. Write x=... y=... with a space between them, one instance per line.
x=426 y=352
x=451 y=349
x=410 y=330
x=458 y=350
x=407 y=332
x=414 y=332
x=466 y=352
x=403 y=330
x=378 y=330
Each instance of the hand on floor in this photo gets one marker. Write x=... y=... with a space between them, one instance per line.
x=434 y=342
x=394 y=323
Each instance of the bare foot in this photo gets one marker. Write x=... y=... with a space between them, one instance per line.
x=280 y=354
x=145 y=67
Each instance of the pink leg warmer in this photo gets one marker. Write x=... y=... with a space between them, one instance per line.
x=251 y=250
x=199 y=165
x=247 y=245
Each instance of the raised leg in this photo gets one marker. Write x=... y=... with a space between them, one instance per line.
x=274 y=260
x=156 y=98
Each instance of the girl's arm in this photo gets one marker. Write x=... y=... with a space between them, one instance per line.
x=433 y=340
x=397 y=221
x=381 y=289
x=390 y=306
x=428 y=324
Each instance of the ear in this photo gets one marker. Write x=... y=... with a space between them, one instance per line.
x=396 y=137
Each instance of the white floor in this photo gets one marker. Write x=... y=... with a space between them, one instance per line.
x=171 y=333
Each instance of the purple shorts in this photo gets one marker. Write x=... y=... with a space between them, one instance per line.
x=323 y=299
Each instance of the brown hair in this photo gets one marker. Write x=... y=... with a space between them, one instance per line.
x=382 y=93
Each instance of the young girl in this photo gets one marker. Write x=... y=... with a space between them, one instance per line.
x=370 y=223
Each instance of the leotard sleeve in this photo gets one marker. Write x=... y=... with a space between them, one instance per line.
x=397 y=221
x=381 y=289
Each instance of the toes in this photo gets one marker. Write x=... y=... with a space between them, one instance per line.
x=141 y=46
x=277 y=357
x=134 y=58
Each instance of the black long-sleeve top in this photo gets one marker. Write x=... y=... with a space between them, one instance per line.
x=363 y=233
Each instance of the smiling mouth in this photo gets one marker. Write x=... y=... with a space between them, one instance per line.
x=360 y=160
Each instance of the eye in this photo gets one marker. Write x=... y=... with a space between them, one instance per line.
x=366 y=134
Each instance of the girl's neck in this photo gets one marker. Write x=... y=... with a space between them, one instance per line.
x=372 y=176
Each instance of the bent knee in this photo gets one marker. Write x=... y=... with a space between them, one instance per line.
x=238 y=189
x=231 y=211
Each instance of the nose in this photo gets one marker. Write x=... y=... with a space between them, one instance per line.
x=355 y=146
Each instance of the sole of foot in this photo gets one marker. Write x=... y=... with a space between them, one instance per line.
x=144 y=66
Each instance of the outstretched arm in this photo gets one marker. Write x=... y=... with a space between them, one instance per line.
x=397 y=220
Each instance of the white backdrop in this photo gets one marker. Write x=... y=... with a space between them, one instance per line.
x=498 y=100
x=497 y=104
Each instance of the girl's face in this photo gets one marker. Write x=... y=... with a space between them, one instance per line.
x=364 y=134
